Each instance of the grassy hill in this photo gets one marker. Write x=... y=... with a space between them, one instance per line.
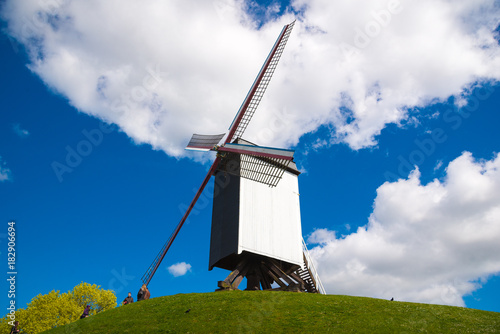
x=282 y=312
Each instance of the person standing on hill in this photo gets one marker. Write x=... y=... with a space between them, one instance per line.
x=14 y=329
x=143 y=293
x=128 y=299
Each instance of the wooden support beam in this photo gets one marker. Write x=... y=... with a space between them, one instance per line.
x=280 y=273
x=233 y=280
x=264 y=281
x=236 y=282
x=236 y=271
x=299 y=280
x=274 y=277
x=253 y=281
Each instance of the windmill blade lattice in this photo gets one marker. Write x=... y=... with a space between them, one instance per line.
x=203 y=142
x=261 y=164
x=258 y=89
x=260 y=169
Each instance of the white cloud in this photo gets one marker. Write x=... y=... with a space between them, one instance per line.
x=179 y=269
x=439 y=164
x=163 y=71
x=430 y=243
x=19 y=131
x=5 y=173
x=321 y=236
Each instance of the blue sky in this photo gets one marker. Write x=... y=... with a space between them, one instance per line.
x=395 y=132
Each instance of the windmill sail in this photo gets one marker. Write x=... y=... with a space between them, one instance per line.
x=259 y=86
x=203 y=142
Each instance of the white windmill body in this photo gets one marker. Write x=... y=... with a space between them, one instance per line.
x=252 y=217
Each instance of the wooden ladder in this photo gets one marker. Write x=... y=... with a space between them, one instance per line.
x=308 y=273
x=305 y=275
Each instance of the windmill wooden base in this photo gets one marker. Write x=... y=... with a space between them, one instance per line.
x=262 y=272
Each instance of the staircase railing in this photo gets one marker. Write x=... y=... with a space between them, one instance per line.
x=312 y=269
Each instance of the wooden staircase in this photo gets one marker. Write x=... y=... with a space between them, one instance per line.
x=305 y=275
x=308 y=273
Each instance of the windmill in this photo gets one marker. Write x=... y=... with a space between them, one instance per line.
x=256 y=231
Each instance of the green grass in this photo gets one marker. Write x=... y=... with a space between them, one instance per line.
x=282 y=312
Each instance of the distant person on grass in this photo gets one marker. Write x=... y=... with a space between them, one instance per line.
x=143 y=293
x=14 y=329
x=128 y=299
x=85 y=312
